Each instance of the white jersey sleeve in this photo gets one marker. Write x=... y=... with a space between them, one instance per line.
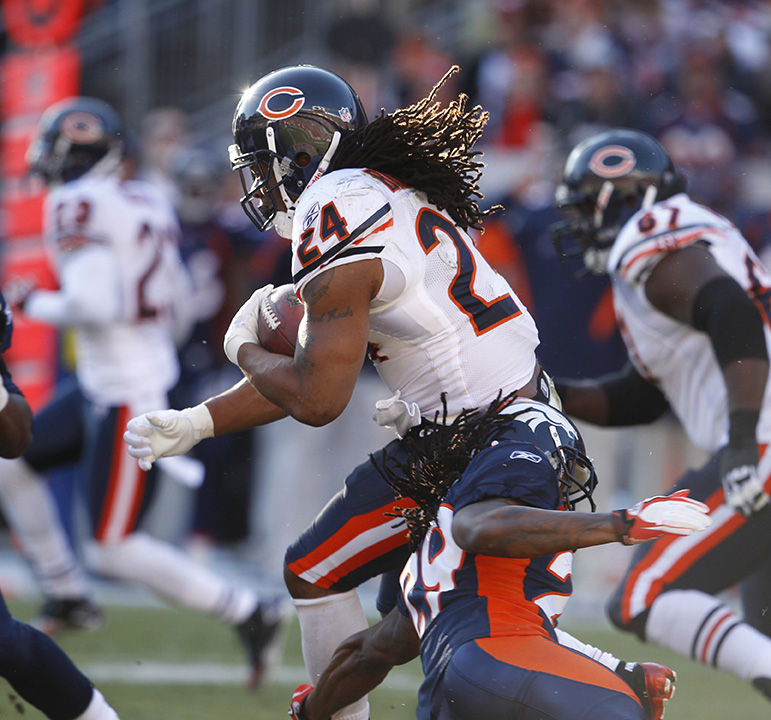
x=339 y=220
x=665 y=227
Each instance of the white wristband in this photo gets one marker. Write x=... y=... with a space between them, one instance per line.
x=201 y=420
x=4 y=396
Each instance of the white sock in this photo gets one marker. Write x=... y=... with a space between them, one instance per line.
x=172 y=574
x=98 y=709
x=607 y=659
x=32 y=515
x=324 y=623
x=699 y=626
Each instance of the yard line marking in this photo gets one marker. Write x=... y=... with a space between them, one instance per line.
x=167 y=673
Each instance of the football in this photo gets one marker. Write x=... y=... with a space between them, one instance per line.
x=279 y=320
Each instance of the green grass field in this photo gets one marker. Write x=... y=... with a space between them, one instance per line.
x=154 y=663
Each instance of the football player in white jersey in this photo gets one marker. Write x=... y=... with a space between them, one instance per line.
x=379 y=215
x=113 y=244
x=693 y=303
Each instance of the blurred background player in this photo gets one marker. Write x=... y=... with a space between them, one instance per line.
x=123 y=288
x=693 y=303
x=491 y=573
x=31 y=662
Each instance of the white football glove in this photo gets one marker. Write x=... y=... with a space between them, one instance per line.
x=742 y=485
x=675 y=514
x=243 y=326
x=164 y=433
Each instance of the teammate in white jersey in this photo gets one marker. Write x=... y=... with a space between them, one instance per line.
x=113 y=244
x=378 y=214
x=693 y=303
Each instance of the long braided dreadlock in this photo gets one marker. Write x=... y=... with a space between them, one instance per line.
x=427 y=147
x=437 y=455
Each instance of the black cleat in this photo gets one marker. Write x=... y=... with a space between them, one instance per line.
x=257 y=633
x=68 y=613
x=764 y=685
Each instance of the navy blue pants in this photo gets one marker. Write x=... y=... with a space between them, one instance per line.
x=527 y=678
x=39 y=670
x=71 y=430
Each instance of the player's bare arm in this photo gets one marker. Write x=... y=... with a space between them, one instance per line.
x=360 y=664
x=503 y=527
x=616 y=399
x=15 y=425
x=316 y=384
x=240 y=408
x=681 y=285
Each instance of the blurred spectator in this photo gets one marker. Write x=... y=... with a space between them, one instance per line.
x=163 y=131
x=706 y=126
x=418 y=63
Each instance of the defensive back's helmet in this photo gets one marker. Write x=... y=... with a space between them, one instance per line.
x=287 y=127
x=607 y=178
x=76 y=136
x=559 y=439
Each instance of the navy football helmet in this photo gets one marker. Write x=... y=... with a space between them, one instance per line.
x=286 y=129
x=76 y=136
x=607 y=178
x=559 y=439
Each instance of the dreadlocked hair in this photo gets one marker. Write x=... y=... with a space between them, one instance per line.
x=437 y=455
x=427 y=147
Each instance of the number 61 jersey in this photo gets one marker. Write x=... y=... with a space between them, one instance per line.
x=443 y=319
x=114 y=248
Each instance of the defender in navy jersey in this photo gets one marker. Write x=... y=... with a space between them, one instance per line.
x=31 y=662
x=491 y=573
x=692 y=299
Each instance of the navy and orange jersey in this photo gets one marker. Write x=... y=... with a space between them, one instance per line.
x=453 y=596
x=6 y=331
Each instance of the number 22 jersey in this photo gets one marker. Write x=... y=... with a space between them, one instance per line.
x=443 y=320
x=114 y=247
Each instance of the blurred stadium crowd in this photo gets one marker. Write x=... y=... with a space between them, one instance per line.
x=694 y=73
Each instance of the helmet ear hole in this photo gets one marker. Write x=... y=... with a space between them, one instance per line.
x=302 y=159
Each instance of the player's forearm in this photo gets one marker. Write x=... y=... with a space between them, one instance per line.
x=616 y=399
x=15 y=426
x=240 y=408
x=519 y=532
x=294 y=385
x=583 y=399
x=350 y=675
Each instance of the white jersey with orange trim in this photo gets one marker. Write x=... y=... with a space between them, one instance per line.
x=443 y=320
x=114 y=247
x=678 y=358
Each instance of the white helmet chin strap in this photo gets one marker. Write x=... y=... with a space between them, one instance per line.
x=282 y=221
x=288 y=203
x=650 y=196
